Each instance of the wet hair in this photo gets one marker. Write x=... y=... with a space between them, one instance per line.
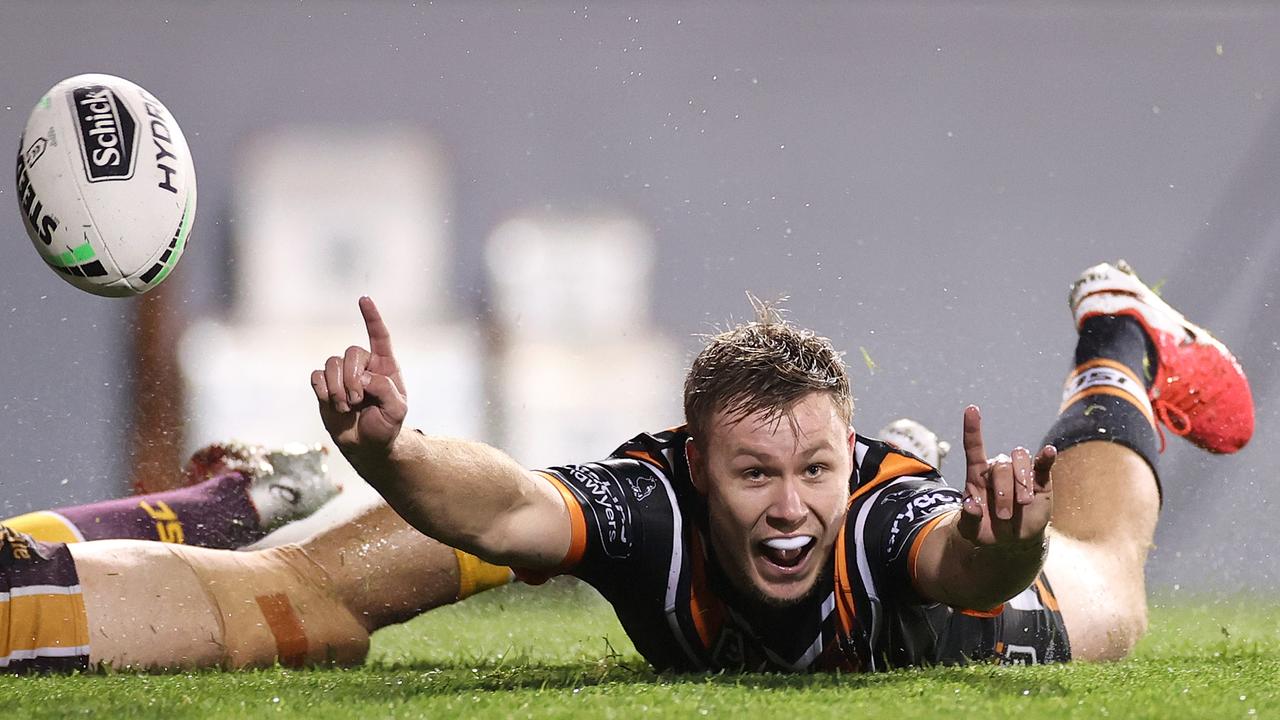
x=763 y=366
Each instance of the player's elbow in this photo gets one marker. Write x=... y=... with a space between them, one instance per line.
x=534 y=531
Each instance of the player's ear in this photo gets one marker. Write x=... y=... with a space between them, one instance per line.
x=693 y=457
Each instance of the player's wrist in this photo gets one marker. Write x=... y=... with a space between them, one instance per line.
x=1017 y=548
x=372 y=459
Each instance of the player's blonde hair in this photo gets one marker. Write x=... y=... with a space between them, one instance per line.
x=763 y=366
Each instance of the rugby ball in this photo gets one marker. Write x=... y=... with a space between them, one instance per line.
x=106 y=185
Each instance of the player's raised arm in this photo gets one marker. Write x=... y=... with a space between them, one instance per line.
x=994 y=547
x=463 y=493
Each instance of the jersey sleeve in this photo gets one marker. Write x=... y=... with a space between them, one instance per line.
x=621 y=514
x=894 y=522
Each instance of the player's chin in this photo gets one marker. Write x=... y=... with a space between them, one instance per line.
x=781 y=584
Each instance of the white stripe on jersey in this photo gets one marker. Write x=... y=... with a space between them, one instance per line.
x=859 y=452
x=677 y=562
x=828 y=606
x=864 y=566
x=811 y=653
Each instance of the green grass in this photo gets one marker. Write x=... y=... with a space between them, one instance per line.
x=558 y=652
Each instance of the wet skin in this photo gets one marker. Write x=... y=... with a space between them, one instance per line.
x=777 y=491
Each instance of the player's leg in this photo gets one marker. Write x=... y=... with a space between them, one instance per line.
x=150 y=605
x=387 y=572
x=1133 y=349
x=238 y=494
x=162 y=606
x=1104 y=518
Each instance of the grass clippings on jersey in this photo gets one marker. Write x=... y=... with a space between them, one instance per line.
x=559 y=652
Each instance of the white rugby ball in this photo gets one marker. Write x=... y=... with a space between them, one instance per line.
x=106 y=185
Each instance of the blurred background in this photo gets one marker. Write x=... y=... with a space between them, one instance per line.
x=552 y=200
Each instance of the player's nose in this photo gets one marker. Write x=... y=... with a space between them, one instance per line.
x=787 y=507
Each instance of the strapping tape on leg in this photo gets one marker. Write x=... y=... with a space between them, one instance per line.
x=272 y=608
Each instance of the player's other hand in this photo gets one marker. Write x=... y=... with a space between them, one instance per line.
x=361 y=394
x=1008 y=498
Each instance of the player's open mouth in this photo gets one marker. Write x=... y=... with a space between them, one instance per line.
x=786 y=553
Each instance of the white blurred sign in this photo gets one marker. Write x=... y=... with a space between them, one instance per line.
x=253 y=382
x=570 y=279
x=327 y=214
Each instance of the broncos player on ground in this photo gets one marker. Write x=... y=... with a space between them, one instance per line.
x=766 y=534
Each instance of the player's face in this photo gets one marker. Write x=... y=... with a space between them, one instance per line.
x=777 y=493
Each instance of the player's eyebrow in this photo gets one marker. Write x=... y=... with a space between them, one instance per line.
x=800 y=451
x=742 y=451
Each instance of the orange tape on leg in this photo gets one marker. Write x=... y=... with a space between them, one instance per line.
x=291 y=638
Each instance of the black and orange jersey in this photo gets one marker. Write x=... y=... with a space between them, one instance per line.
x=640 y=538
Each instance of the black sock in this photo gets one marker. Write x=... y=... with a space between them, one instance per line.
x=1120 y=338
x=1105 y=397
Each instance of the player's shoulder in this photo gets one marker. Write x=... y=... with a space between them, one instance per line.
x=663 y=450
x=879 y=462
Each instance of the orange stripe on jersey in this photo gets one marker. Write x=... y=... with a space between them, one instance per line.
x=577 y=524
x=1046 y=596
x=984 y=613
x=893 y=466
x=914 y=554
x=706 y=609
x=844 y=589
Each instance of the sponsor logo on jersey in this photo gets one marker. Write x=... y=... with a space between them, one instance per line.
x=107 y=132
x=32 y=207
x=642 y=483
x=915 y=511
x=605 y=500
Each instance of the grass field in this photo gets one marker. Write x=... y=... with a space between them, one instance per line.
x=559 y=652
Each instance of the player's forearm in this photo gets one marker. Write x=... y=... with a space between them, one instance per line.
x=975 y=577
x=460 y=492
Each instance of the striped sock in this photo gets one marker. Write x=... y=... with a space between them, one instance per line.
x=1105 y=396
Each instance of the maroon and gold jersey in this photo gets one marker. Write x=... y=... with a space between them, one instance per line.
x=640 y=538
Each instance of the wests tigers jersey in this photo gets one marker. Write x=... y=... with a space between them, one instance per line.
x=640 y=538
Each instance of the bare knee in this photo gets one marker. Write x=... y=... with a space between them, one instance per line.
x=1111 y=635
x=1102 y=597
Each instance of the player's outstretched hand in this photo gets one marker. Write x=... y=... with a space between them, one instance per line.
x=1008 y=498
x=361 y=394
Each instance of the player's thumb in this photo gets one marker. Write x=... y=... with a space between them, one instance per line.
x=970 y=520
x=380 y=391
x=1044 y=467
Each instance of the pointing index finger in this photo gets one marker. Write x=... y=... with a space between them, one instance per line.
x=379 y=335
